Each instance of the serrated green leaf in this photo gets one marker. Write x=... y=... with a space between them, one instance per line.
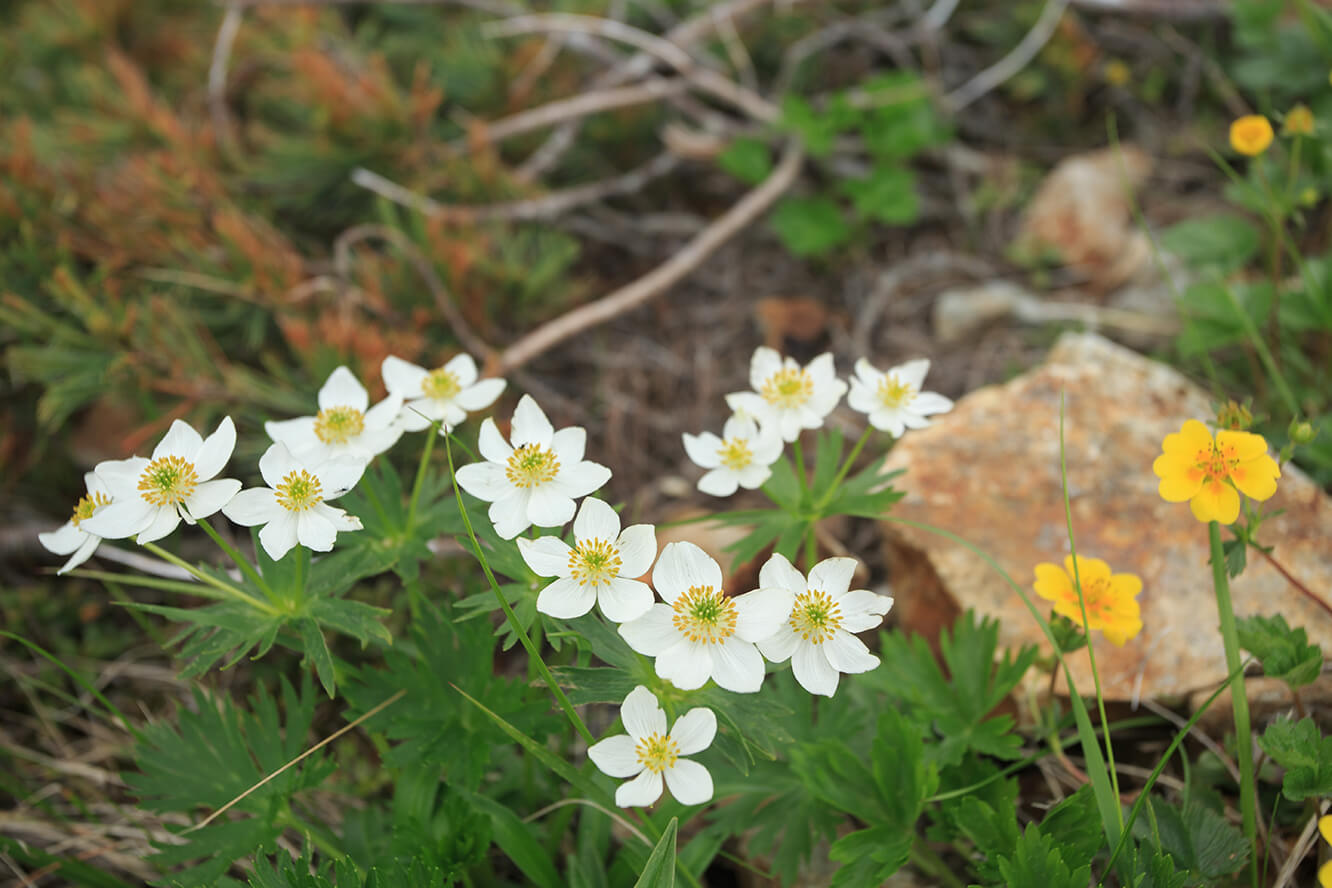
x=887 y=195
x=518 y=841
x=810 y=226
x=318 y=654
x=869 y=856
x=1196 y=838
x=1036 y=860
x=749 y=160
x=1304 y=753
x=361 y=621
x=659 y=871
x=1219 y=241
x=1285 y=652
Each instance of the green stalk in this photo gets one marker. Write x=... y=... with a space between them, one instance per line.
x=420 y=476
x=798 y=457
x=243 y=563
x=231 y=591
x=846 y=467
x=1238 y=700
x=924 y=858
x=1264 y=354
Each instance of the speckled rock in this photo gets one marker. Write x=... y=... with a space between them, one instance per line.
x=989 y=472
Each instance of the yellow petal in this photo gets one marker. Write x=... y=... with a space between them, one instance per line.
x=1247 y=445
x=1126 y=586
x=1180 y=477
x=1052 y=583
x=1090 y=569
x=1325 y=871
x=1192 y=437
x=1257 y=478
x=1325 y=827
x=1216 y=501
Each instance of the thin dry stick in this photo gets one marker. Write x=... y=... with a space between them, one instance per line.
x=494 y=7
x=735 y=49
x=1300 y=849
x=703 y=245
x=564 y=803
x=1012 y=63
x=313 y=749
x=1290 y=578
x=217 y=77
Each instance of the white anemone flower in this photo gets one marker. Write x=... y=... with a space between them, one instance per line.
x=817 y=638
x=149 y=497
x=537 y=479
x=72 y=537
x=648 y=753
x=345 y=426
x=741 y=457
x=599 y=567
x=701 y=632
x=893 y=401
x=445 y=395
x=294 y=506
x=786 y=396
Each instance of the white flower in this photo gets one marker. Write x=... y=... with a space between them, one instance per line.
x=446 y=394
x=344 y=426
x=893 y=400
x=71 y=536
x=149 y=497
x=740 y=458
x=537 y=479
x=647 y=753
x=294 y=506
x=701 y=632
x=817 y=638
x=786 y=396
x=599 y=568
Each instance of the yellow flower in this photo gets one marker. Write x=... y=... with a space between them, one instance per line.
x=1325 y=871
x=1299 y=122
x=1251 y=134
x=1117 y=73
x=1111 y=599
x=1209 y=473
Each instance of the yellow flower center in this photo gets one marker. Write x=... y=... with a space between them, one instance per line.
x=594 y=563
x=705 y=614
x=532 y=465
x=657 y=752
x=338 y=425
x=85 y=507
x=441 y=385
x=893 y=393
x=1097 y=596
x=299 y=491
x=1214 y=464
x=168 y=481
x=815 y=617
x=1251 y=134
x=788 y=388
x=735 y=453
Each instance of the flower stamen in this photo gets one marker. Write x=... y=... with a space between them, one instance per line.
x=815 y=617
x=704 y=614
x=85 y=507
x=531 y=466
x=441 y=384
x=594 y=563
x=893 y=393
x=299 y=491
x=657 y=752
x=168 y=481
x=338 y=425
x=789 y=388
x=735 y=453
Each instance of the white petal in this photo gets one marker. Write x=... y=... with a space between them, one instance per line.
x=164 y=521
x=737 y=666
x=95 y=484
x=822 y=370
x=833 y=576
x=846 y=653
x=862 y=609
x=750 y=404
x=481 y=395
x=381 y=415
x=693 y=732
x=547 y=507
x=813 y=671
x=463 y=369
x=638 y=547
x=596 y=521
x=702 y=449
x=315 y=532
x=548 y=556
x=753 y=476
x=418 y=414
x=569 y=444
x=216 y=450
x=681 y=566
x=509 y=515
x=67 y=538
x=278 y=536
x=82 y=554
x=641 y=714
x=343 y=389
x=210 y=496
x=276 y=463
x=616 y=756
x=888 y=420
x=740 y=426
x=339 y=518
x=624 y=600
x=868 y=375
x=339 y=475
x=789 y=425
x=912 y=373
x=652 y=634
x=685 y=665
x=530 y=425
x=123 y=518
x=258 y=505
x=718 y=482
x=485 y=481
x=372 y=442
x=121 y=476
x=763 y=364
x=929 y=403
x=767 y=448
x=581 y=478
x=778 y=573
x=863 y=398
x=402 y=378
x=643 y=790
x=779 y=646
x=566 y=599
x=180 y=440
x=298 y=434
x=761 y=612
x=689 y=782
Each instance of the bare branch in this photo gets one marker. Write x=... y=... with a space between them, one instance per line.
x=1012 y=63
x=217 y=77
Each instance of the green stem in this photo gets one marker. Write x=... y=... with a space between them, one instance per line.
x=420 y=476
x=1239 y=702
x=1264 y=354
x=243 y=563
x=931 y=864
x=846 y=467
x=798 y=457
x=232 y=591
x=509 y=615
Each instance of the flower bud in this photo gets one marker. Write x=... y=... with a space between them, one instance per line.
x=1301 y=432
x=1234 y=416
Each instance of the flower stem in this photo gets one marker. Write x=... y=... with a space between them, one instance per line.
x=846 y=467
x=924 y=858
x=1239 y=702
x=509 y=615
x=420 y=476
x=262 y=606
x=241 y=562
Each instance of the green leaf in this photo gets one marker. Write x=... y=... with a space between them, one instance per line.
x=1036 y=860
x=659 y=872
x=318 y=654
x=1218 y=241
x=810 y=226
x=749 y=160
x=994 y=833
x=870 y=856
x=1304 y=753
x=1196 y=838
x=361 y=621
x=1285 y=652
x=816 y=130
x=888 y=195
x=518 y=841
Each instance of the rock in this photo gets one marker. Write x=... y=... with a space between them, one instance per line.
x=989 y=472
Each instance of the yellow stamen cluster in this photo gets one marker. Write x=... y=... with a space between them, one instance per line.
x=735 y=453
x=657 y=752
x=85 y=507
x=789 y=387
x=815 y=617
x=299 y=491
x=1251 y=134
x=594 y=563
x=168 y=481
x=705 y=614
x=338 y=425
x=893 y=393
x=441 y=384
x=531 y=466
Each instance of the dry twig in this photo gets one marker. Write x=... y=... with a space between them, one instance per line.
x=1012 y=63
